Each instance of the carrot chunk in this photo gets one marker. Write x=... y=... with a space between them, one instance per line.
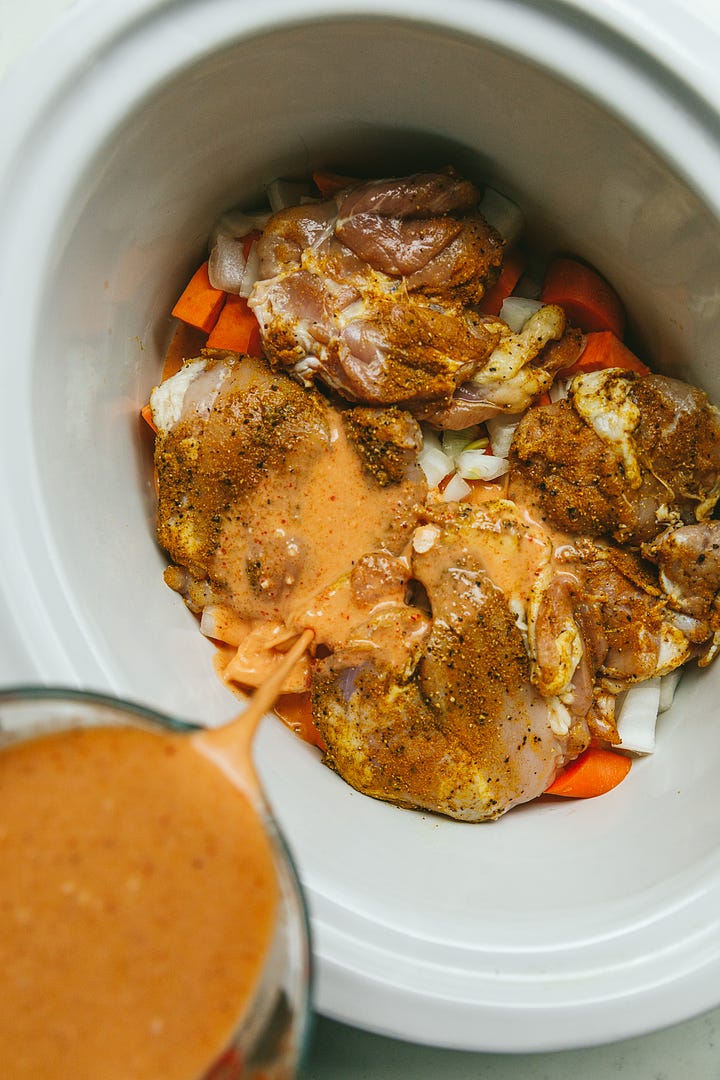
x=236 y=328
x=590 y=303
x=595 y=772
x=295 y=710
x=329 y=183
x=187 y=342
x=200 y=304
x=146 y=413
x=513 y=267
x=604 y=350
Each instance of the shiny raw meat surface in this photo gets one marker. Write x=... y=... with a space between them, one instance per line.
x=471 y=633
x=368 y=293
x=440 y=714
x=624 y=456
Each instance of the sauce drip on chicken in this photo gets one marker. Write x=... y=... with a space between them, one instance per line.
x=466 y=647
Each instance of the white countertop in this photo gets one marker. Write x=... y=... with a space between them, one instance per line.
x=690 y=1050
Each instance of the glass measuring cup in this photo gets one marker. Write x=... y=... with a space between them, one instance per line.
x=270 y=1032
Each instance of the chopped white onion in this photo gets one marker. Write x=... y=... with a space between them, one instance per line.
x=477 y=465
x=668 y=686
x=226 y=264
x=238 y=223
x=167 y=399
x=251 y=272
x=501 y=430
x=209 y=621
x=502 y=213
x=454 y=442
x=222 y=623
x=516 y=310
x=424 y=538
x=431 y=438
x=455 y=489
x=637 y=717
x=435 y=464
x=283 y=194
x=559 y=390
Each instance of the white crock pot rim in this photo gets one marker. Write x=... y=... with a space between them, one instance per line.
x=653 y=46
x=632 y=58
x=673 y=46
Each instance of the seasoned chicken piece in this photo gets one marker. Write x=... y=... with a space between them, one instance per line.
x=599 y=620
x=425 y=229
x=421 y=196
x=518 y=370
x=623 y=456
x=259 y=478
x=369 y=292
x=388 y=348
x=688 y=560
x=441 y=714
x=288 y=234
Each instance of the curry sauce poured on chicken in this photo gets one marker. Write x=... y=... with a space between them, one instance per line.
x=472 y=629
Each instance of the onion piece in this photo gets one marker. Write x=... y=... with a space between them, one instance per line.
x=516 y=310
x=668 y=686
x=238 y=223
x=501 y=430
x=454 y=442
x=559 y=390
x=222 y=624
x=251 y=272
x=637 y=717
x=455 y=489
x=435 y=464
x=226 y=265
x=282 y=194
x=503 y=214
x=477 y=465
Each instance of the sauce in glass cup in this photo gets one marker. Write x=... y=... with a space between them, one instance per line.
x=151 y=921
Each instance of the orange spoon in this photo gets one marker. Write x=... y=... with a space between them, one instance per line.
x=230 y=746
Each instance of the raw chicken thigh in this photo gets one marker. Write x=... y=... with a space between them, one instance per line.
x=472 y=639
x=439 y=713
x=624 y=456
x=258 y=478
x=369 y=292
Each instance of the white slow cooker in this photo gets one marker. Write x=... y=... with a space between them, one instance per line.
x=560 y=925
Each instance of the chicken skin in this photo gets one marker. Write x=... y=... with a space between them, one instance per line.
x=439 y=713
x=258 y=478
x=468 y=641
x=370 y=293
x=688 y=560
x=623 y=457
x=520 y=368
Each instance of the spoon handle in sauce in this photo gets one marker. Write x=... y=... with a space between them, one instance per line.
x=230 y=746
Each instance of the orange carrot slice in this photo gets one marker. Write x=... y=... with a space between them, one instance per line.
x=295 y=710
x=187 y=342
x=604 y=350
x=146 y=413
x=236 y=328
x=595 y=772
x=512 y=269
x=329 y=183
x=200 y=304
x=590 y=303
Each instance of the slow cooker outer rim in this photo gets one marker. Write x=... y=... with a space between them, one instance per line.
x=583 y=1038
x=663 y=36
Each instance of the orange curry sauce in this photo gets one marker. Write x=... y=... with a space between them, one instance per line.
x=138 y=902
